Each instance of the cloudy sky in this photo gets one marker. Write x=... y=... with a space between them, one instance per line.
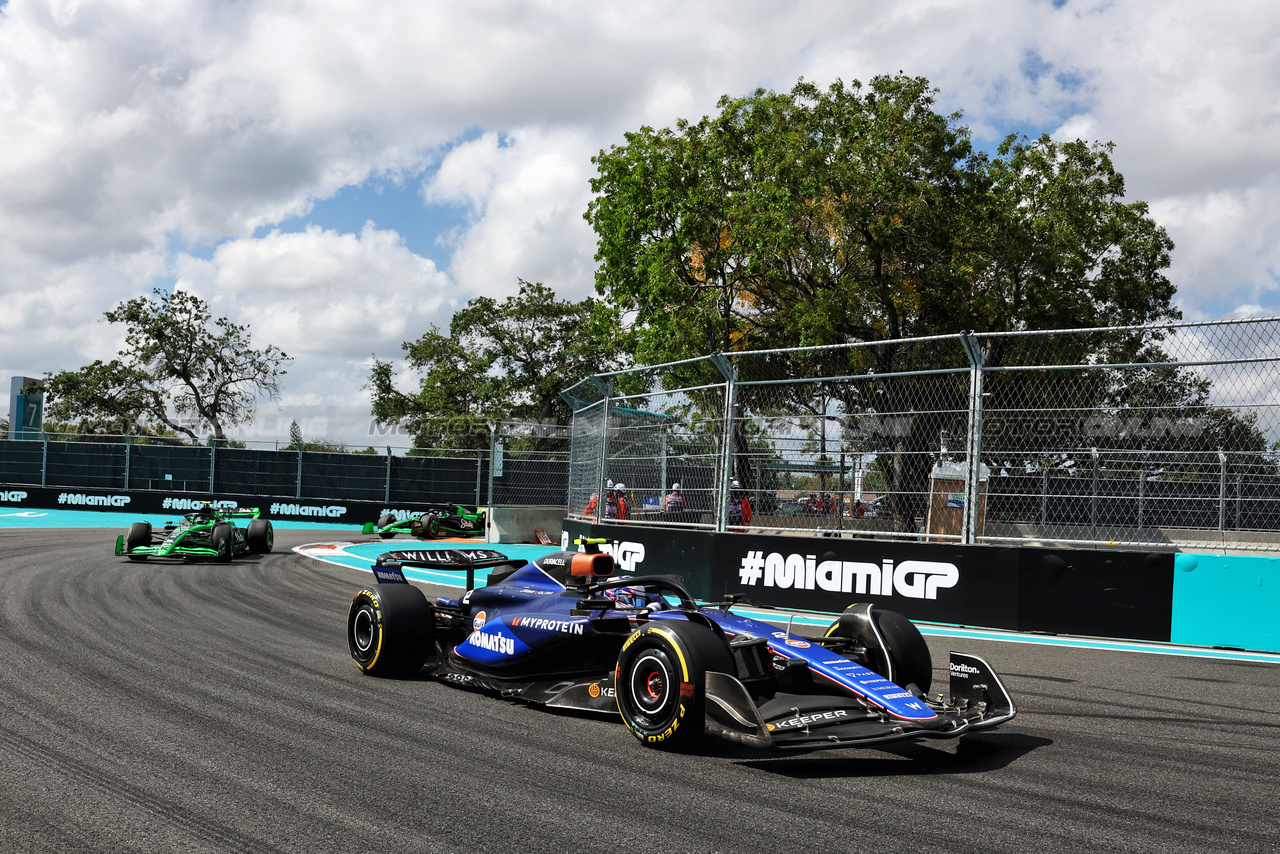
x=340 y=175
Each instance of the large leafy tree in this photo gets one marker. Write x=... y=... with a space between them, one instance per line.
x=181 y=369
x=862 y=214
x=501 y=360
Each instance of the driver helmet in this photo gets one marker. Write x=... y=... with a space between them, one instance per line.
x=629 y=596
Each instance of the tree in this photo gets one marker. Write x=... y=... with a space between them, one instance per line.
x=864 y=215
x=295 y=435
x=108 y=397
x=505 y=360
x=178 y=361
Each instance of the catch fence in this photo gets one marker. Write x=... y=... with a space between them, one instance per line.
x=525 y=464
x=1151 y=436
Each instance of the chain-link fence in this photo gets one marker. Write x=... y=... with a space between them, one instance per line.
x=656 y=448
x=1150 y=436
x=524 y=464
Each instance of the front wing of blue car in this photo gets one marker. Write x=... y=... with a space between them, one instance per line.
x=794 y=722
x=978 y=701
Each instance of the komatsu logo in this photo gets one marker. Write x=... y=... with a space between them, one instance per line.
x=914 y=579
x=493 y=643
x=15 y=496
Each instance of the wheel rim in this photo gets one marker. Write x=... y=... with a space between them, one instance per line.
x=363 y=632
x=652 y=686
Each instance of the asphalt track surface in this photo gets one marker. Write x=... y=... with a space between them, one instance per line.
x=208 y=707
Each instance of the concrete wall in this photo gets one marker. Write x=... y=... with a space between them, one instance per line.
x=517 y=524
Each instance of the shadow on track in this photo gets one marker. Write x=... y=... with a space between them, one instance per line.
x=975 y=754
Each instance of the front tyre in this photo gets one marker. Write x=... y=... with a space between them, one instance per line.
x=223 y=543
x=383 y=522
x=260 y=537
x=391 y=630
x=661 y=681
x=899 y=653
x=139 y=536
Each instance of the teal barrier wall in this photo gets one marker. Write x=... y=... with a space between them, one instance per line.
x=1226 y=600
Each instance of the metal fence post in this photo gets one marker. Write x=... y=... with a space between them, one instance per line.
x=1222 y=490
x=1142 y=491
x=604 y=451
x=730 y=373
x=1093 y=495
x=493 y=439
x=664 y=483
x=44 y=460
x=387 y=491
x=128 y=443
x=973 y=449
x=298 y=488
x=213 y=461
x=1044 y=497
x=479 y=466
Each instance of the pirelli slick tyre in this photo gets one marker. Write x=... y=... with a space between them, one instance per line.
x=910 y=662
x=260 y=537
x=223 y=542
x=661 y=681
x=391 y=630
x=431 y=525
x=139 y=535
x=384 y=521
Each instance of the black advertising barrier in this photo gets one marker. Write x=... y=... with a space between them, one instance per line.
x=1111 y=593
x=354 y=513
x=1114 y=594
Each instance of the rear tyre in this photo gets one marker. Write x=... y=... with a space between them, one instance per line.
x=222 y=541
x=661 y=682
x=431 y=524
x=384 y=521
x=260 y=537
x=139 y=535
x=391 y=630
x=910 y=662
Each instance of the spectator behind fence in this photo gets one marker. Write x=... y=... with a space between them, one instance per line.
x=739 y=507
x=675 y=501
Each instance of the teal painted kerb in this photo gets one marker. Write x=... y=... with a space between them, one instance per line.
x=1226 y=600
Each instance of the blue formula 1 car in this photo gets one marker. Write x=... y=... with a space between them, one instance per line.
x=563 y=632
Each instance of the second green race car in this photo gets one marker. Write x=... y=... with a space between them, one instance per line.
x=454 y=521
x=209 y=532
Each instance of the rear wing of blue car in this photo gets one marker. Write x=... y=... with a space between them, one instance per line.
x=388 y=568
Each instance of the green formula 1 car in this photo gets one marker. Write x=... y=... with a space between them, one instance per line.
x=458 y=521
x=209 y=532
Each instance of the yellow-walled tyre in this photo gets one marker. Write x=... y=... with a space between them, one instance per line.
x=661 y=681
x=390 y=630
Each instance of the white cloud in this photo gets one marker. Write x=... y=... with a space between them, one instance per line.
x=329 y=300
x=526 y=197
x=132 y=130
